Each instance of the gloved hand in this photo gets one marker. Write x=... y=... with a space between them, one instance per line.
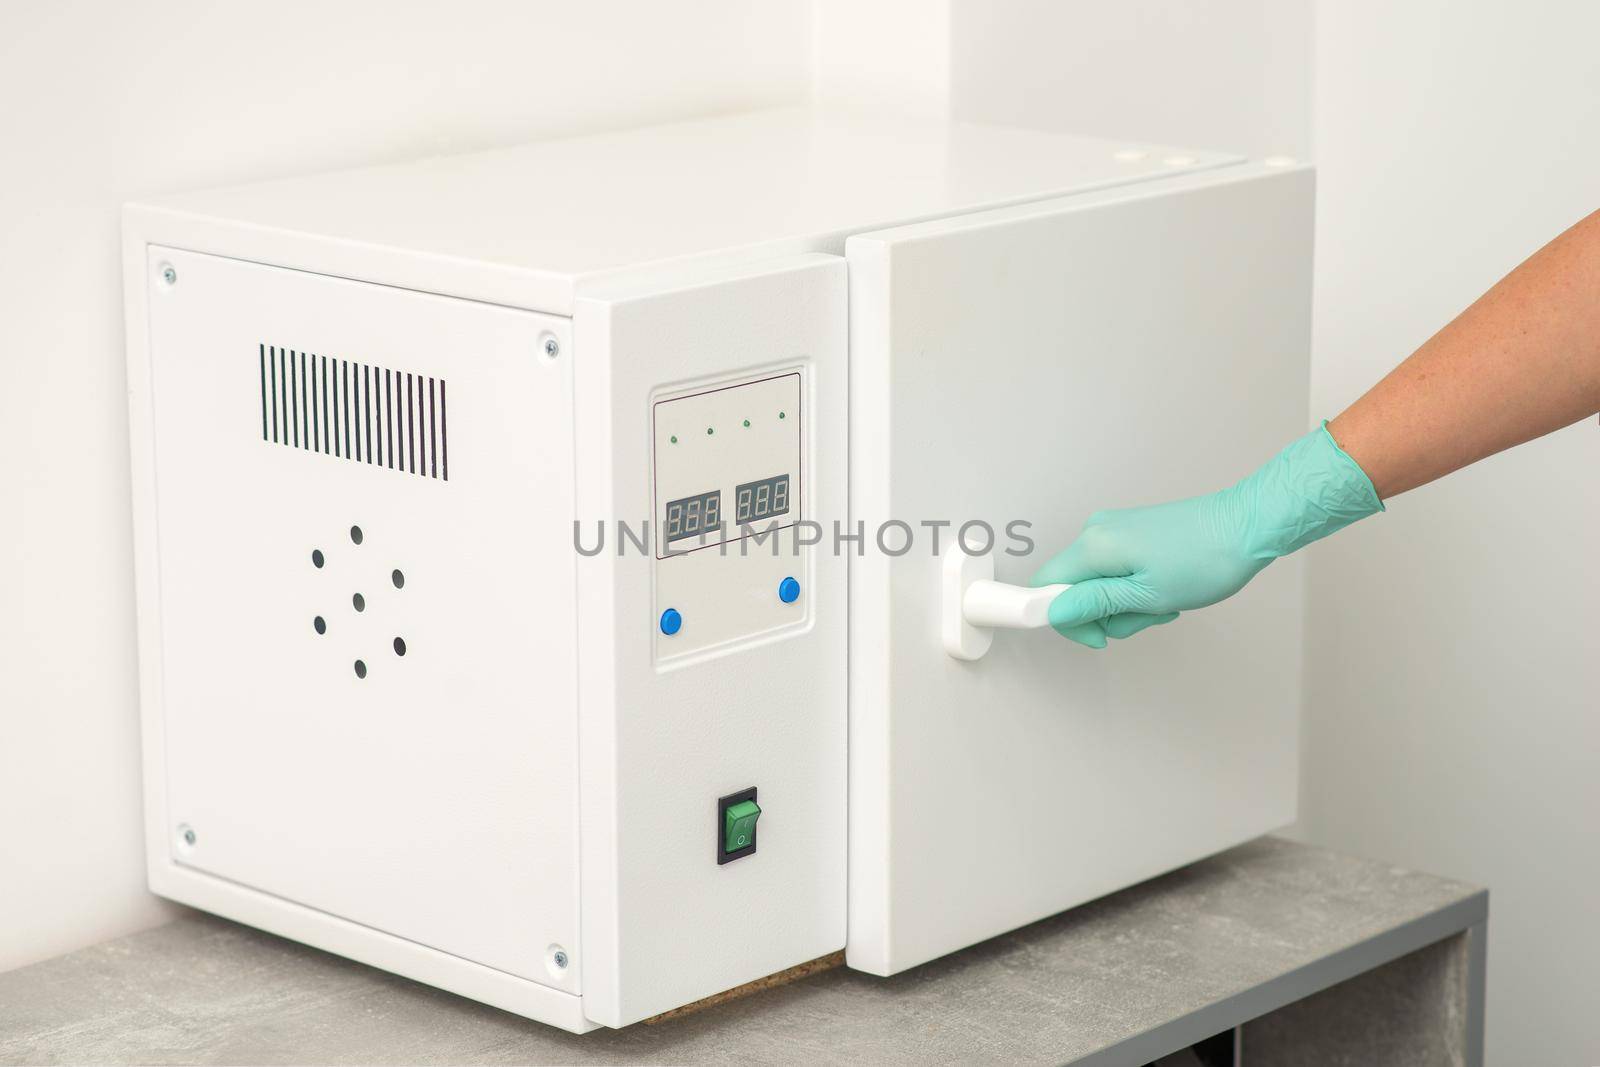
x=1140 y=567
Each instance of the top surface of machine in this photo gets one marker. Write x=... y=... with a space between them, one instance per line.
x=530 y=226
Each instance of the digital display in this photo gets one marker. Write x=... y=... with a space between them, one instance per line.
x=754 y=501
x=694 y=515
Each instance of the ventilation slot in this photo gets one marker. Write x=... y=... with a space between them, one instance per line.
x=355 y=411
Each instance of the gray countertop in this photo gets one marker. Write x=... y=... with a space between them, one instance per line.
x=1123 y=980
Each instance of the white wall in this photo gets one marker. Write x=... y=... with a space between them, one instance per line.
x=891 y=53
x=1225 y=74
x=1453 y=719
x=105 y=102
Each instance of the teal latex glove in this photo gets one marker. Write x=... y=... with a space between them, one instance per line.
x=1140 y=567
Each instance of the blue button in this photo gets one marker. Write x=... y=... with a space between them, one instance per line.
x=788 y=590
x=671 y=621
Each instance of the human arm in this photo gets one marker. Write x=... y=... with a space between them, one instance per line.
x=1522 y=361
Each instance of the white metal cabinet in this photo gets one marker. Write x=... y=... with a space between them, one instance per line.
x=1038 y=363
x=375 y=731
x=524 y=807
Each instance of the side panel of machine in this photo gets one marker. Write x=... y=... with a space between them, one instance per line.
x=711 y=664
x=358 y=525
x=1032 y=365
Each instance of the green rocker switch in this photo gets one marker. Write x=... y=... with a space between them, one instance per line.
x=739 y=825
x=739 y=815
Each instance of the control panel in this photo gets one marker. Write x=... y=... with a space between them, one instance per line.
x=729 y=505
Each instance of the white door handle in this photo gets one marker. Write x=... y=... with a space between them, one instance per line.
x=975 y=605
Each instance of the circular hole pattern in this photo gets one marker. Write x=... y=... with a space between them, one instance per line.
x=316 y=558
x=398 y=579
x=359 y=602
x=355 y=534
x=399 y=646
x=320 y=624
x=361 y=669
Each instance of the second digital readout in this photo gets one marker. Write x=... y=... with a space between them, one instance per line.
x=754 y=501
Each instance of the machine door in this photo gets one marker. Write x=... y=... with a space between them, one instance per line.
x=1023 y=368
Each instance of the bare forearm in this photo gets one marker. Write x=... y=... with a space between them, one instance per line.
x=1522 y=361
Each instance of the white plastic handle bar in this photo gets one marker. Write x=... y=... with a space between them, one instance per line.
x=1011 y=607
x=975 y=605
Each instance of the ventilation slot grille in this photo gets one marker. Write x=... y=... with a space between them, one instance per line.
x=355 y=411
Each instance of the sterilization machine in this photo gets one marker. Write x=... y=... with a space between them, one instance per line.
x=591 y=575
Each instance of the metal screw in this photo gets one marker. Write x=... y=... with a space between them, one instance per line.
x=552 y=349
x=561 y=959
x=169 y=274
x=188 y=835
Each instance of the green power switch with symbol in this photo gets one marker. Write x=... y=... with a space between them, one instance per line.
x=739 y=825
x=736 y=825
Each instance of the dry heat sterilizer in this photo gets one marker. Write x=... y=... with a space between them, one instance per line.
x=588 y=576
